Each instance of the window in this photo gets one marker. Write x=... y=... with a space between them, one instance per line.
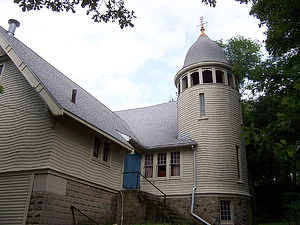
x=101 y=150
x=105 y=152
x=178 y=88
x=149 y=165
x=219 y=76
x=97 y=144
x=1 y=67
x=161 y=164
x=202 y=105
x=184 y=83
x=175 y=163
x=238 y=162
x=230 y=79
x=207 y=76
x=225 y=210
x=195 y=78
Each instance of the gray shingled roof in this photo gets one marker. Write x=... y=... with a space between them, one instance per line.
x=60 y=88
x=155 y=126
x=204 y=50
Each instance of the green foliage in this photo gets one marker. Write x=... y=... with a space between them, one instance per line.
x=243 y=54
x=1 y=89
x=115 y=9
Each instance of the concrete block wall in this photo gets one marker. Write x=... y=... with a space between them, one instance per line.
x=47 y=207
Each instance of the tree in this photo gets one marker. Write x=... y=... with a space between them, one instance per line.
x=115 y=9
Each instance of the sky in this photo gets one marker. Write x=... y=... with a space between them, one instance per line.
x=131 y=67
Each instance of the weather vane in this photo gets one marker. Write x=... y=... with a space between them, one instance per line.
x=202 y=25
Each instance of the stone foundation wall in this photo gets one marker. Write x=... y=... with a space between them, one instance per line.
x=208 y=209
x=51 y=202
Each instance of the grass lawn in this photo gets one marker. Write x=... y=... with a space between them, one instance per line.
x=283 y=223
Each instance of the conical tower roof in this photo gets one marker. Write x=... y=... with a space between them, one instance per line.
x=204 y=50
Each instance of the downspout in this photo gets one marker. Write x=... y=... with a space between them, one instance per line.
x=194 y=188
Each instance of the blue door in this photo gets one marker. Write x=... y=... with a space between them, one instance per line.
x=132 y=164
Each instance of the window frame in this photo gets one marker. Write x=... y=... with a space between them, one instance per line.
x=104 y=147
x=174 y=156
x=226 y=217
x=149 y=165
x=161 y=163
x=192 y=76
x=202 y=104
x=206 y=81
x=167 y=165
x=221 y=73
x=184 y=81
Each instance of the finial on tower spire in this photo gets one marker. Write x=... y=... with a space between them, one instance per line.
x=202 y=26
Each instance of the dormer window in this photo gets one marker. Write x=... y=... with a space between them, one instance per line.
x=207 y=76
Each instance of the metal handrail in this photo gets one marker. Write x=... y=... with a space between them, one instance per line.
x=165 y=196
x=72 y=209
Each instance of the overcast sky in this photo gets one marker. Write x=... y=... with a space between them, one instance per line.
x=133 y=67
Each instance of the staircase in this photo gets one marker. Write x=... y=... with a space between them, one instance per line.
x=139 y=207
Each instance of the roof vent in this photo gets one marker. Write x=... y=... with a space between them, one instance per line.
x=13 y=24
x=73 y=99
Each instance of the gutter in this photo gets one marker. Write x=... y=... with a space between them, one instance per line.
x=194 y=188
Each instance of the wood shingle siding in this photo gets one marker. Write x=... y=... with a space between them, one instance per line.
x=217 y=136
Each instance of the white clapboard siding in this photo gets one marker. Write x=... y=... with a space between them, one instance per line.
x=14 y=198
x=175 y=186
x=26 y=135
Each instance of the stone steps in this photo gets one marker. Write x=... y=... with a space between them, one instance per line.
x=139 y=207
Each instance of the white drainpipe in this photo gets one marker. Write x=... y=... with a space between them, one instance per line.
x=194 y=188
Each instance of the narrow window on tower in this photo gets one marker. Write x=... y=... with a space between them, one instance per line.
x=219 y=76
x=230 y=79
x=175 y=163
x=184 y=83
x=161 y=164
x=202 y=104
x=225 y=211
x=238 y=162
x=207 y=76
x=195 y=78
x=149 y=165
x=178 y=87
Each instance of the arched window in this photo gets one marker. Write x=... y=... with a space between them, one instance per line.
x=207 y=76
x=219 y=76
x=195 y=78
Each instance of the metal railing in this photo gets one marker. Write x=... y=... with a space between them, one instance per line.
x=138 y=173
x=73 y=214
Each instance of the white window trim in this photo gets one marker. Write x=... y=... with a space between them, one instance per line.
x=168 y=166
x=227 y=222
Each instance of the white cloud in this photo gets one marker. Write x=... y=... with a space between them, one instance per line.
x=132 y=67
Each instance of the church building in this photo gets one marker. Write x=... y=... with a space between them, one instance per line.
x=61 y=148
